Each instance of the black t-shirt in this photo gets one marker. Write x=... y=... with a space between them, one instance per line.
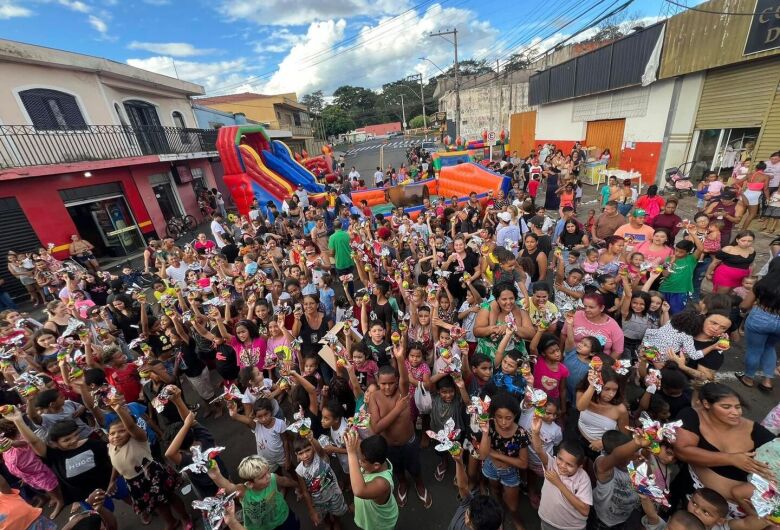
x=383 y=313
x=80 y=470
x=188 y=360
x=203 y=484
x=203 y=346
x=160 y=344
x=676 y=404
x=230 y=251
x=713 y=360
x=98 y=292
x=169 y=414
x=226 y=363
x=381 y=353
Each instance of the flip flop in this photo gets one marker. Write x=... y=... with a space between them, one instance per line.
x=402 y=497
x=425 y=498
x=439 y=474
x=742 y=378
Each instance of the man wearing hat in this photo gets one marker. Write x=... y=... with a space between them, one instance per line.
x=507 y=233
x=636 y=229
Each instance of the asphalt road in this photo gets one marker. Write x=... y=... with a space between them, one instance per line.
x=365 y=156
x=240 y=440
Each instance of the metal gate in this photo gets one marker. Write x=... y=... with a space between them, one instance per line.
x=17 y=235
x=607 y=134
x=522 y=132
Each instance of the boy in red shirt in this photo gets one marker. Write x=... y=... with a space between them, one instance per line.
x=533 y=188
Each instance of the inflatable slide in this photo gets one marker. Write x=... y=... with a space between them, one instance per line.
x=254 y=171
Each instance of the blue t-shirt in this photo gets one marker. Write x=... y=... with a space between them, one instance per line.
x=137 y=410
x=327 y=297
x=514 y=384
x=578 y=370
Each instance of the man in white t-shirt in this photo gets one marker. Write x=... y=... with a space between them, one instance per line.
x=217 y=230
x=177 y=271
x=773 y=170
x=354 y=175
x=379 y=177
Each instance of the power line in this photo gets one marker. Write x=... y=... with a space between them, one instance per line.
x=373 y=33
x=712 y=12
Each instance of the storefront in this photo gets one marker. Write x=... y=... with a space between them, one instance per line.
x=731 y=115
x=117 y=209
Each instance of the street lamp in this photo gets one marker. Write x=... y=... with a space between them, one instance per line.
x=434 y=64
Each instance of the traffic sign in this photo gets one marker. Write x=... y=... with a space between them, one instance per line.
x=491 y=137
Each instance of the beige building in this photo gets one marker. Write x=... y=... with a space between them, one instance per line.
x=97 y=148
x=277 y=112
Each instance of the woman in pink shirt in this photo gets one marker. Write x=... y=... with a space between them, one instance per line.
x=250 y=346
x=655 y=250
x=204 y=245
x=593 y=321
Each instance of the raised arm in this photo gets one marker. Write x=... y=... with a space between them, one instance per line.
x=38 y=445
x=136 y=432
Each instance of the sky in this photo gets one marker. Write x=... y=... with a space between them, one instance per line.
x=274 y=46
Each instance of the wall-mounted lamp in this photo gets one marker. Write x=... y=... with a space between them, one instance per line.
x=87 y=174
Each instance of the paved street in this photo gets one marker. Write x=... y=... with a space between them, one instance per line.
x=365 y=156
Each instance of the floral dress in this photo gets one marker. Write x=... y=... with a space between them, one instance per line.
x=488 y=345
x=417 y=373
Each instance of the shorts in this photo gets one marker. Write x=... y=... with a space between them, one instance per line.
x=406 y=457
x=506 y=476
x=335 y=505
x=753 y=197
x=202 y=385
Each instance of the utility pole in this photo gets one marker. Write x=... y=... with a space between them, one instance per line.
x=403 y=111
x=454 y=33
x=422 y=96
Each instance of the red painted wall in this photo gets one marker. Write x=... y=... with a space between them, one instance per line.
x=41 y=202
x=644 y=158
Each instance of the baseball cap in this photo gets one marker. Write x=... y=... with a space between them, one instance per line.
x=505 y=216
x=537 y=221
x=639 y=212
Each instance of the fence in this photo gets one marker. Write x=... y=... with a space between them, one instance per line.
x=25 y=146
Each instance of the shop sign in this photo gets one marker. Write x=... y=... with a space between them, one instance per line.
x=764 y=32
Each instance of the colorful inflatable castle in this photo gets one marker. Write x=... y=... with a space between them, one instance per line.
x=258 y=168
x=453 y=181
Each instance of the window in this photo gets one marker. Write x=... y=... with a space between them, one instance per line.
x=297 y=118
x=198 y=182
x=51 y=110
x=178 y=120
x=119 y=114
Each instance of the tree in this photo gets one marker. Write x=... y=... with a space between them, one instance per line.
x=337 y=120
x=471 y=67
x=416 y=122
x=315 y=101
x=517 y=61
x=616 y=26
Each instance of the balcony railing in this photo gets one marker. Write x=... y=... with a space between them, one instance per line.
x=26 y=146
x=301 y=130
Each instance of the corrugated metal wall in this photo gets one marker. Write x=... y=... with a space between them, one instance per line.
x=522 y=132
x=616 y=65
x=769 y=139
x=738 y=96
x=696 y=41
x=607 y=134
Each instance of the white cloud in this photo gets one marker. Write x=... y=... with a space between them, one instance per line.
x=75 y=5
x=209 y=75
x=278 y=41
x=176 y=49
x=299 y=12
x=8 y=9
x=383 y=52
x=99 y=24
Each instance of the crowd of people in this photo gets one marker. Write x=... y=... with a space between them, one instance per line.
x=570 y=361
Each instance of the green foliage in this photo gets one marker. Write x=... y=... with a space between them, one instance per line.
x=337 y=120
x=315 y=101
x=416 y=122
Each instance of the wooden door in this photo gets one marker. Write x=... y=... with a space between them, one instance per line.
x=522 y=132
x=606 y=134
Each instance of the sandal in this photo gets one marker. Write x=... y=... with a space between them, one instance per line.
x=742 y=378
x=764 y=388
x=441 y=469
x=425 y=497
x=402 y=497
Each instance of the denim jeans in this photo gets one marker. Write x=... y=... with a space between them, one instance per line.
x=762 y=333
x=698 y=276
x=5 y=301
